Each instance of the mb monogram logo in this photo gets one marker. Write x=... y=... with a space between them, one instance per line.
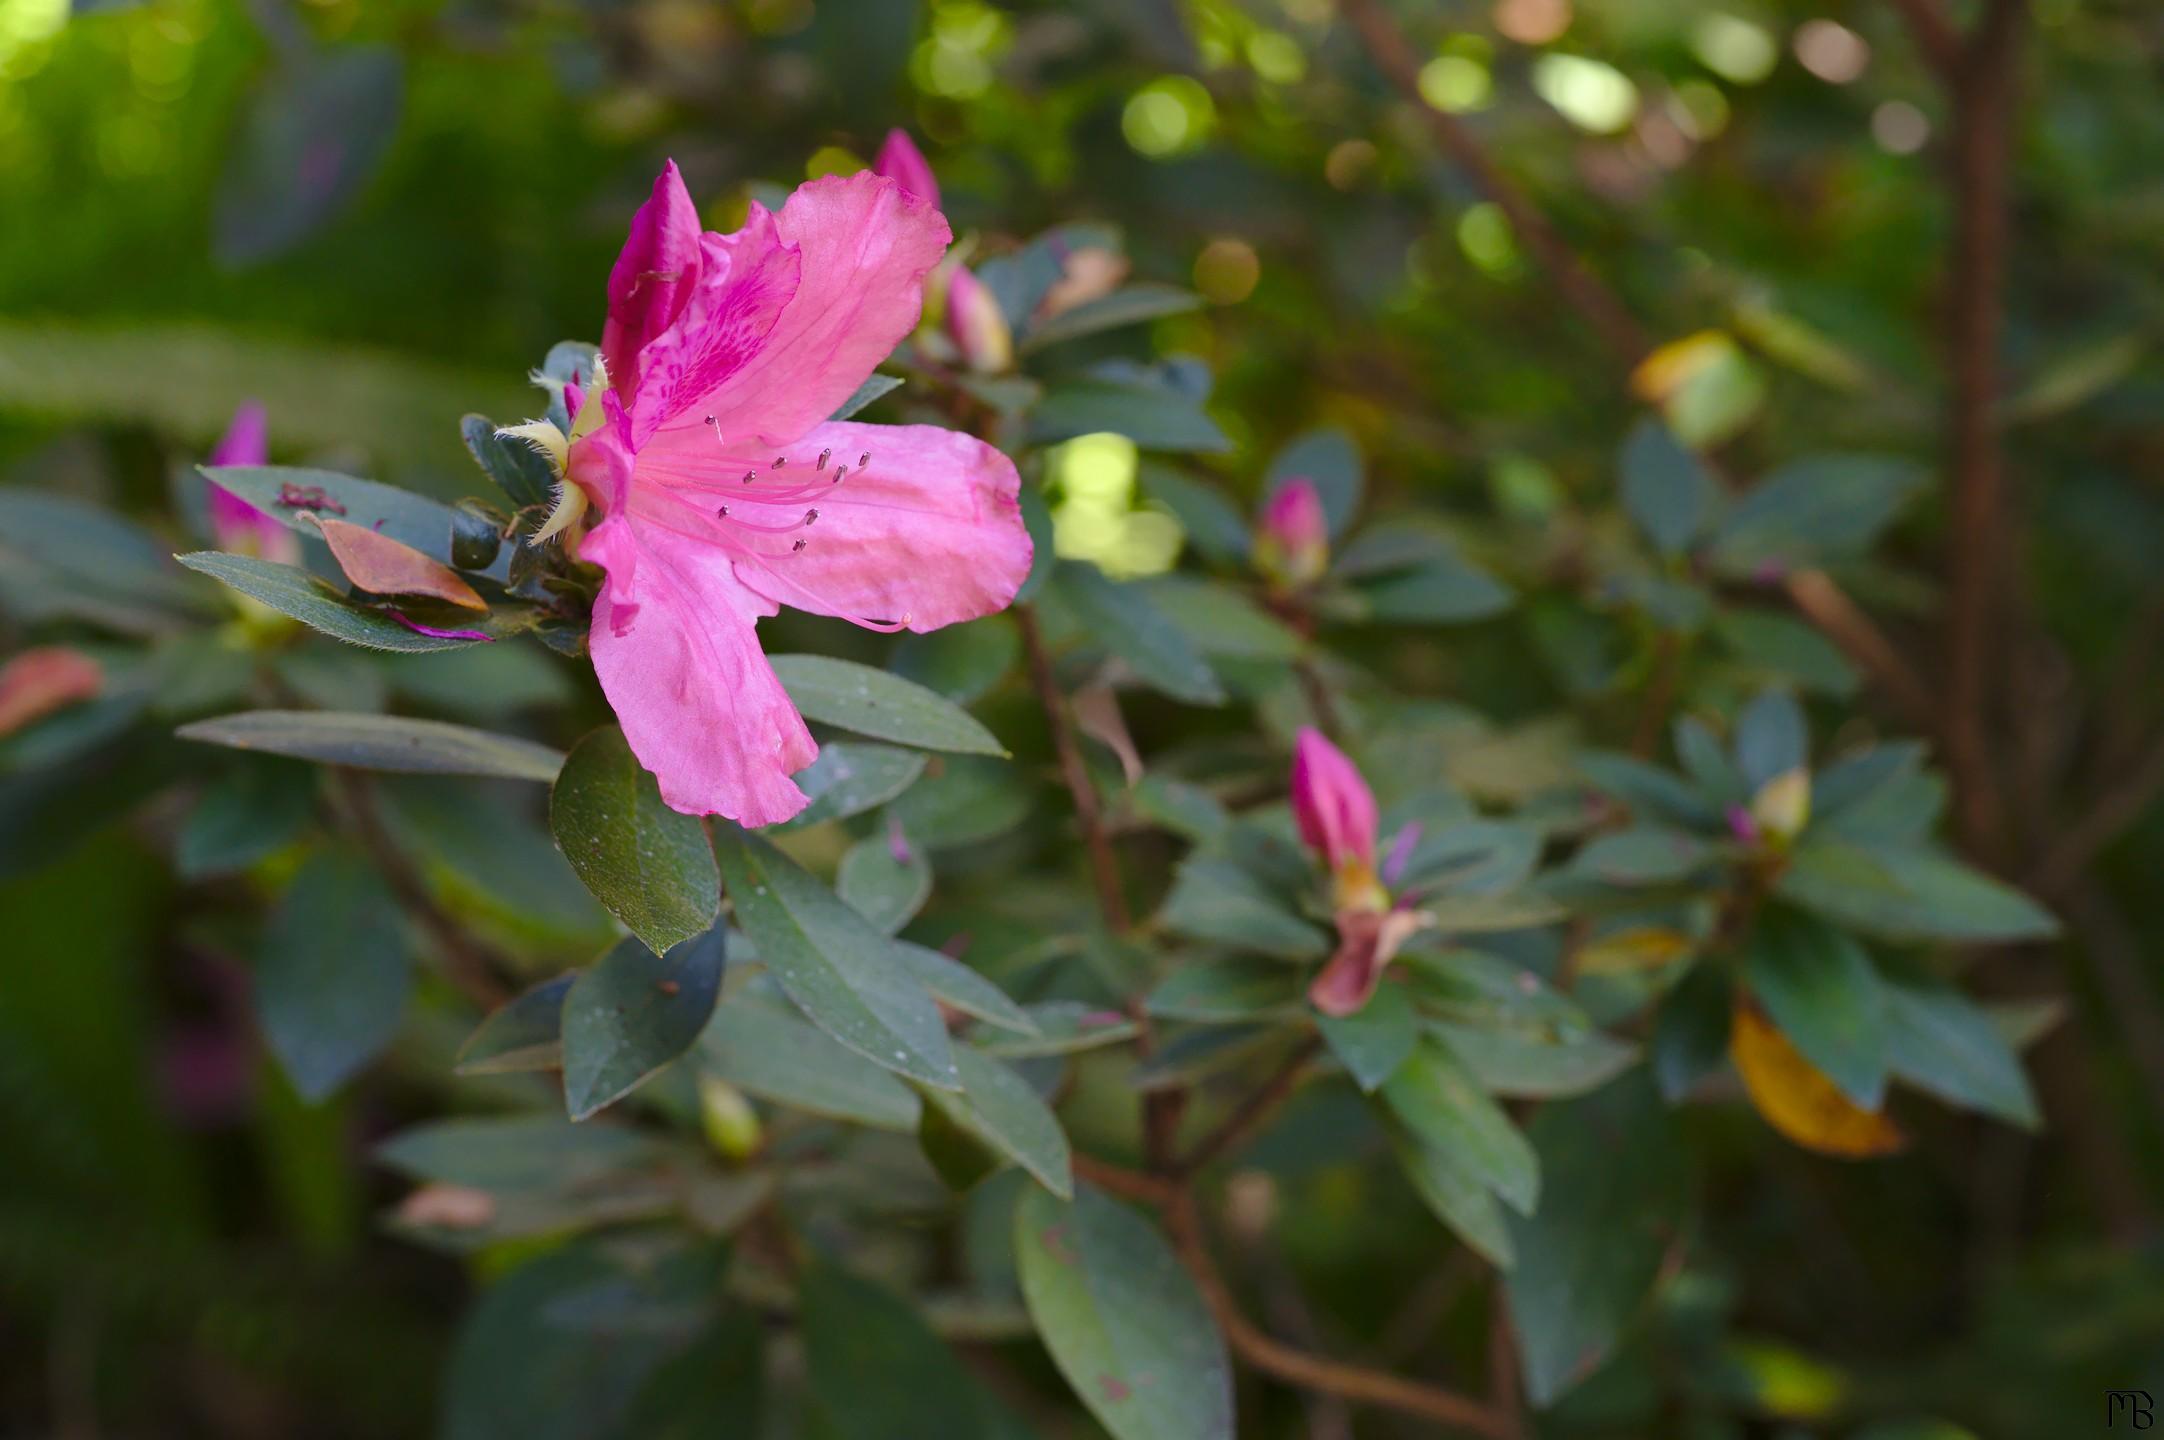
x=2131 y=1406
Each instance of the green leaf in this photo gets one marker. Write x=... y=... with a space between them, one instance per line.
x=380 y=742
x=1457 y=1195
x=772 y=1054
x=1816 y=509
x=1373 y=1041
x=872 y=389
x=1131 y=305
x=523 y=473
x=1788 y=648
x=872 y=702
x=837 y=969
x=1690 y=1035
x=876 y=1370
x=1666 y=489
x=1523 y=1066
x=1650 y=792
x=1003 y=1110
x=1445 y=592
x=63 y=558
x=886 y=891
x=1771 y=738
x=1124 y=620
x=1435 y=1097
x=1329 y=458
x=969 y=800
x=308 y=142
x=1819 y=989
x=286 y=492
x=523 y=1152
x=955 y=984
x=1901 y=892
x=634 y=1012
x=301 y=595
x=1063 y=1027
x=1641 y=855
x=721 y=1372
x=332 y=974
x=648 y=864
x=1487 y=914
x=1617 y=1186
x=1940 y=1041
x=1153 y=416
x=1472 y=857
x=1705 y=759
x=1122 y=1319
x=251 y=811
x=1213 y=525
x=524 y=1033
x=1215 y=899
x=961 y=662
x=850 y=777
x=1236 y=988
x=1218 y=620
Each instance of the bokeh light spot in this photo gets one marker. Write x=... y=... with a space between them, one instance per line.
x=1227 y=270
x=1589 y=94
x=1168 y=117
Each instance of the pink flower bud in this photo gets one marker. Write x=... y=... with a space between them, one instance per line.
x=902 y=162
x=976 y=326
x=1292 y=542
x=1333 y=805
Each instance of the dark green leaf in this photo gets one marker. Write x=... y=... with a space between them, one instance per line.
x=380 y=742
x=1818 y=987
x=1615 y=1192
x=286 y=493
x=1665 y=488
x=62 y=558
x=778 y=1057
x=872 y=389
x=523 y=1152
x=886 y=891
x=1219 y=620
x=524 y=1033
x=955 y=984
x=1122 y=1319
x=1124 y=620
x=1940 y=1041
x=1214 y=899
x=1650 y=792
x=634 y=1012
x=1526 y=1066
x=876 y=1370
x=1222 y=991
x=1473 y=857
x=1824 y=507
x=332 y=976
x=1690 y=1035
x=871 y=702
x=648 y=864
x=301 y=595
x=1788 y=648
x=722 y=1372
x=850 y=777
x=1908 y=893
x=1214 y=527
x=1000 y=1108
x=1154 y=417
x=523 y=473
x=1372 y=1042
x=838 y=969
x=961 y=662
x=1435 y=1097
x=1446 y=592
x=969 y=800
x=1457 y=1194
x=1771 y=738
x=251 y=811
x=1129 y=306
x=1641 y=855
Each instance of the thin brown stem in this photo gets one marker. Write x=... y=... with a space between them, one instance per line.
x=1128 y=1184
x=1983 y=96
x=1104 y=866
x=1314 y=1372
x=1249 y=1115
x=2115 y=811
x=471 y=965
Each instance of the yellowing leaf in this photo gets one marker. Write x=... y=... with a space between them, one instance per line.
x=1797 y=1100
x=377 y=563
x=1646 y=947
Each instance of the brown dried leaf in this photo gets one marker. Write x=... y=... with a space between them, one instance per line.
x=391 y=567
x=37 y=682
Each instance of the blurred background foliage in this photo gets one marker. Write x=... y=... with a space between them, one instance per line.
x=375 y=217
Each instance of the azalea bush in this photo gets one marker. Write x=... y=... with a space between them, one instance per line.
x=835 y=720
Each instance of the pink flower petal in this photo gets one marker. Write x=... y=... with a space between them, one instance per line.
x=657 y=271
x=246 y=441
x=866 y=245
x=678 y=655
x=1367 y=942
x=726 y=321
x=927 y=533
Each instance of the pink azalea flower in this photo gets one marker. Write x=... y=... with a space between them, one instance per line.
x=726 y=493
x=976 y=326
x=902 y=162
x=1292 y=543
x=236 y=525
x=1336 y=814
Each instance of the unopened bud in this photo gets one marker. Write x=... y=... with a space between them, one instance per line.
x=1782 y=806
x=976 y=326
x=731 y=1124
x=1292 y=542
